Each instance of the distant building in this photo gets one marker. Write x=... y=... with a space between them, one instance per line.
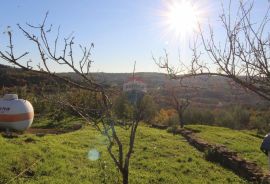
x=135 y=84
x=135 y=89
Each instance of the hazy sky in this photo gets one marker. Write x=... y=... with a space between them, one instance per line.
x=122 y=30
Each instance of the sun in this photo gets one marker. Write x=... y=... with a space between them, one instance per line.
x=181 y=17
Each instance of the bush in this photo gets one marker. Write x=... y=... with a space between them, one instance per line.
x=236 y=117
x=225 y=119
x=261 y=122
x=148 y=108
x=124 y=110
x=166 y=117
x=198 y=116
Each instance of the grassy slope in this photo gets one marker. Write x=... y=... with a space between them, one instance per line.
x=243 y=142
x=159 y=157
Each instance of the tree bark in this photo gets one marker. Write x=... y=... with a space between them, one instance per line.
x=125 y=176
x=181 y=122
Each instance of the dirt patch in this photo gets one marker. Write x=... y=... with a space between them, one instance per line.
x=9 y=135
x=39 y=132
x=162 y=127
x=42 y=131
x=30 y=140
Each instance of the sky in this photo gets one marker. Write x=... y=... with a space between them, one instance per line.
x=123 y=31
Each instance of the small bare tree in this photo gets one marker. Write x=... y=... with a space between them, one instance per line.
x=243 y=56
x=179 y=100
x=181 y=95
x=101 y=118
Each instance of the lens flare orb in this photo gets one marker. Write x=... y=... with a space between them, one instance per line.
x=93 y=155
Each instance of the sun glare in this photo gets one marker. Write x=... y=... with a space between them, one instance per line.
x=181 y=17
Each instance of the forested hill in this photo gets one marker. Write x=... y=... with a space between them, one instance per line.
x=10 y=77
x=211 y=91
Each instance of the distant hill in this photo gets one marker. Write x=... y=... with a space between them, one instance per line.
x=4 y=66
x=11 y=76
x=212 y=91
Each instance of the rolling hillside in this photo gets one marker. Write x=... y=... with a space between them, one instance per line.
x=211 y=92
x=159 y=157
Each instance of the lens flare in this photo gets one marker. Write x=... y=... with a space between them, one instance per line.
x=93 y=154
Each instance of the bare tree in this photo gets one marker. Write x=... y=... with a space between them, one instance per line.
x=179 y=99
x=242 y=56
x=100 y=117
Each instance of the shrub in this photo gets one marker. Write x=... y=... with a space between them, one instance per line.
x=124 y=110
x=261 y=122
x=149 y=108
x=236 y=117
x=166 y=117
x=198 y=116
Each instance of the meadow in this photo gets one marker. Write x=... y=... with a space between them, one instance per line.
x=159 y=157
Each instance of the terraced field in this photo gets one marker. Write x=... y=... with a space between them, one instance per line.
x=243 y=142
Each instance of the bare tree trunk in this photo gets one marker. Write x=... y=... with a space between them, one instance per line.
x=181 y=121
x=125 y=174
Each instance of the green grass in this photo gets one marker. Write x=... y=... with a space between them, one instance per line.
x=244 y=142
x=159 y=157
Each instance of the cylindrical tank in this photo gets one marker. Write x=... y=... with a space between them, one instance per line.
x=16 y=114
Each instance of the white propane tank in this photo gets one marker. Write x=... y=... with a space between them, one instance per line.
x=16 y=114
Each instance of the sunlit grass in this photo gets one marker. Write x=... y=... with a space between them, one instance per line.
x=159 y=157
x=243 y=142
